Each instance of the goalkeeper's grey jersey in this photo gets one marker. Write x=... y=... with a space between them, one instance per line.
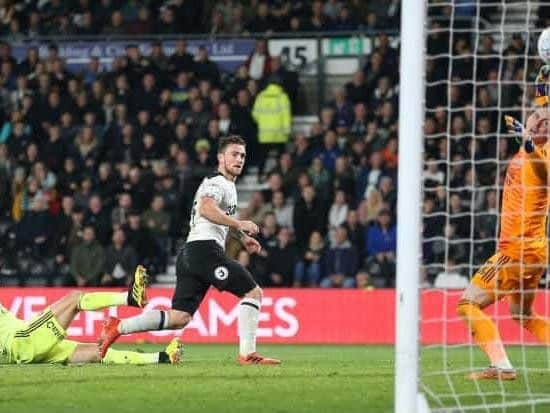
x=224 y=192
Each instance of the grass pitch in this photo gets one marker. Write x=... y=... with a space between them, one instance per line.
x=312 y=379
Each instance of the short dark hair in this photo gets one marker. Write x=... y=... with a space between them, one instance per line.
x=225 y=141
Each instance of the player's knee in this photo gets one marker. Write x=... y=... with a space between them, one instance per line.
x=74 y=297
x=178 y=319
x=256 y=293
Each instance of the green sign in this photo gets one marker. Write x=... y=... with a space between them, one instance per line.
x=341 y=46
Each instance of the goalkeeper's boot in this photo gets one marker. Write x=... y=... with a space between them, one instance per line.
x=137 y=290
x=174 y=350
x=255 y=358
x=109 y=334
x=542 y=86
x=494 y=373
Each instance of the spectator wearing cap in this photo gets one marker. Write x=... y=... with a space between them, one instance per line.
x=87 y=259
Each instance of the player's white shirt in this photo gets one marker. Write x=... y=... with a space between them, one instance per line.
x=224 y=192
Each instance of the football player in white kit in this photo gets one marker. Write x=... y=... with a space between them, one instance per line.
x=202 y=261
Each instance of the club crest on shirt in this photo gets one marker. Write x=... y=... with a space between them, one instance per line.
x=221 y=273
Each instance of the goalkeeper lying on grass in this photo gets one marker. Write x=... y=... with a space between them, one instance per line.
x=42 y=340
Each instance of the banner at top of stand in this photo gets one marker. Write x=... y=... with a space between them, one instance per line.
x=229 y=54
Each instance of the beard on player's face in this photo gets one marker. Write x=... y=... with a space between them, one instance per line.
x=231 y=166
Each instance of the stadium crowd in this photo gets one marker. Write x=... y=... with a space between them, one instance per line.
x=28 y=19
x=97 y=168
x=467 y=148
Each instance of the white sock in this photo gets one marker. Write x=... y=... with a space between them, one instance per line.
x=146 y=321
x=504 y=364
x=249 y=311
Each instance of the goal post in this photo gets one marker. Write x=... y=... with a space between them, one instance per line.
x=411 y=119
x=463 y=66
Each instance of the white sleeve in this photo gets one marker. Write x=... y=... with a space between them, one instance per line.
x=213 y=190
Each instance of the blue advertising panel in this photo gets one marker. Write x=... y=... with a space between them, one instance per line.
x=229 y=54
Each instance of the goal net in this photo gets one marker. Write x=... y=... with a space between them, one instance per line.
x=481 y=64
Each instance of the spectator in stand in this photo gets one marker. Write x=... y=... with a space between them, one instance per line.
x=262 y=21
x=369 y=176
x=381 y=236
x=320 y=178
x=205 y=69
x=283 y=210
x=357 y=90
x=309 y=215
x=307 y=272
x=272 y=113
x=120 y=261
x=343 y=177
x=181 y=60
x=87 y=260
x=158 y=221
x=143 y=242
x=33 y=230
x=258 y=63
x=303 y=151
x=360 y=119
x=329 y=151
x=98 y=217
x=280 y=261
x=338 y=212
x=342 y=108
x=388 y=192
x=318 y=22
x=289 y=79
x=341 y=262
x=356 y=230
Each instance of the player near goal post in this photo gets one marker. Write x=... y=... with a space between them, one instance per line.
x=42 y=340
x=202 y=262
x=515 y=270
